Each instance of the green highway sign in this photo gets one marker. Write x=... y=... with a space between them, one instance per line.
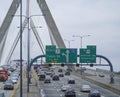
x=88 y=55
x=60 y=55
x=51 y=54
x=66 y=55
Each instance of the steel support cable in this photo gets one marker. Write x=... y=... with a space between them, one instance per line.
x=37 y=36
x=6 y=23
x=15 y=42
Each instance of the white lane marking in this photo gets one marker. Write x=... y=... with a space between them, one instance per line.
x=43 y=95
x=61 y=95
x=79 y=94
x=102 y=96
x=58 y=90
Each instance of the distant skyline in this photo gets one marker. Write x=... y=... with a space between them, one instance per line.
x=98 y=18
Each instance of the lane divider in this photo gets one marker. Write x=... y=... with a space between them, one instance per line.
x=37 y=81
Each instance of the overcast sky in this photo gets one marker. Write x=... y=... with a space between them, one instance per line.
x=98 y=18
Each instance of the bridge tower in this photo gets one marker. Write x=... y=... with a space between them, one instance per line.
x=54 y=33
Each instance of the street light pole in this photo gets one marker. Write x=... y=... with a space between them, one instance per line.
x=69 y=41
x=21 y=48
x=28 y=45
x=81 y=39
x=28 y=49
x=28 y=52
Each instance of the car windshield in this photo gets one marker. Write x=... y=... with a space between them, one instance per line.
x=95 y=91
x=86 y=86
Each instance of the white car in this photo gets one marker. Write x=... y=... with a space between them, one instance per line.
x=85 y=88
x=65 y=87
x=14 y=80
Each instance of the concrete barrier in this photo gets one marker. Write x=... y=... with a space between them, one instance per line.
x=106 y=86
x=37 y=81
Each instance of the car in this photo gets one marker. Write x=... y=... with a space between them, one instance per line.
x=9 y=80
x=65 y=87
x=55 y=78
x=85 y=88
x=2 y=94
x=14 y=77
x=70 y=93
x=48 y=72
x=68 y=69
x=94 y=93
x=101 y=74
x=47 y=80
x=71 y=81
x=42 y=77
x=60 y=70
x=14 y=80
x=67 y=73
x=8 y=72
x=52 y=74
x=8 y=85
x=61 y=75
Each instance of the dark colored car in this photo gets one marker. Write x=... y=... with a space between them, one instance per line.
x=52 y=74
x=48 y=72
x=61 y=75
x=8 y=85
x=94 y=93
x=42 y=77
x=67 y=73
x=60 y=70
x=101 y=75
x=68 y=69
x=47 y=80
x=55 y=77
x=2 y=94
x=70 y=93
x=71 y=81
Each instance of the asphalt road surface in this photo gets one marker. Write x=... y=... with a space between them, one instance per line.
x=53 y=89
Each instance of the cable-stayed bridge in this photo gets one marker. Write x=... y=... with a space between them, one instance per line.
x=29 y=23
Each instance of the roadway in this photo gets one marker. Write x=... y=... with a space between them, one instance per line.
x=6 y=92
x=53 y=89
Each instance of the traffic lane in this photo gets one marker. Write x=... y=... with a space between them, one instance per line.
x=80 y=82
x=51 y=89
x=54 y=88
x=104 y=92
x=55 y=91
x=6 y=92
x=57 y=86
